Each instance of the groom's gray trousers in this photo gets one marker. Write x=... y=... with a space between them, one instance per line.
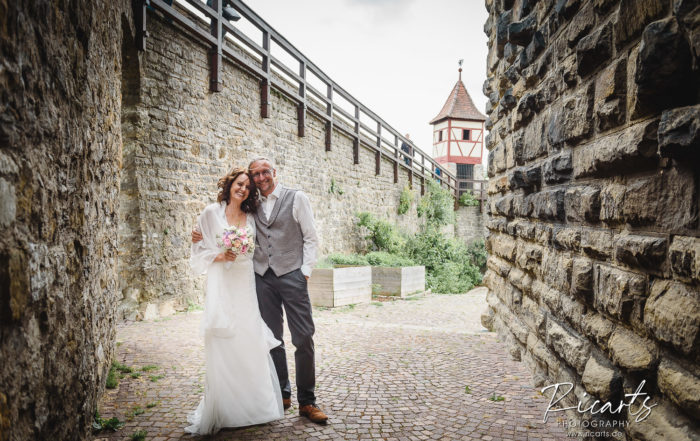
x=291 y=291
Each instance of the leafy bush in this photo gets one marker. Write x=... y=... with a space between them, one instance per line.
x=437 y=206
x=383 y=235
x=477 y=251
x=382 y=258
x=405 y=200
x=333 y=260
x=468 y=200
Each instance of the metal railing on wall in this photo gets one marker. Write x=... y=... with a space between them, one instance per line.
x=304 y=84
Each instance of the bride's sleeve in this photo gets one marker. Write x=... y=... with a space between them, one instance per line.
x=205 y=251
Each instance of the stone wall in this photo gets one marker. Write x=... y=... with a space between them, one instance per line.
x=60 y=141
x=594 y=267
x=180 y=138
x=470 y=224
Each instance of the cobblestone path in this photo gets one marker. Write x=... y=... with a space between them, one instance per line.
x=393 y=370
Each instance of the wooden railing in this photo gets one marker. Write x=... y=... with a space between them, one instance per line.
x=303 y=83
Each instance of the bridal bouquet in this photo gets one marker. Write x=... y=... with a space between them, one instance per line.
x=238 y=240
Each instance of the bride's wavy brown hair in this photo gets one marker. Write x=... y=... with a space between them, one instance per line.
x=251 y=202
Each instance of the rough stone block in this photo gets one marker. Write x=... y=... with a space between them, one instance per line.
x=532 y=51
x=502 y=24
x=597 y=326
x=581 y=26
x=525 y=177
x=615 y=290
x=567 y=238
x=646 y=252
x=502 y=246
x=571 y=122
x=634 y=15
x=557 y=168
x=520 y=33
x=672 y=314
x=548 y=205
x=582 y=204
x=520 y=279
x=628 y=150
x=8 y=203
x=687 y=13
x=665 y=422
x=612 y=197
x=530 y=144
x=597 y=243
x=529 y=257
x=681 y=386
x=601 y=378
x=572 y=347
x=663 y=73
x=504 y=205
x=610 y=96
x=594 y=50
x=684 y=255
x=572 y=310
x=533 y=316
x=667 y=200
x=528 y=106
x=557 y=266
x=582 y=277
x=631 y=351
x=679 y=133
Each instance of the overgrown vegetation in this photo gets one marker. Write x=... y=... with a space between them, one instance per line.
x=437 y=206
x=99 y=423
x=451 y=266
x=405 y=200
x=468 y=200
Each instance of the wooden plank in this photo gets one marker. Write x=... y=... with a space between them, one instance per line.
x=265 y=83
x=329 y=113
x=301 y=107
x=140 y=13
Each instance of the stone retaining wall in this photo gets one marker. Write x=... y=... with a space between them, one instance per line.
x=181 y=138
x=60 y=140
x=470 y=224
x=594 y=267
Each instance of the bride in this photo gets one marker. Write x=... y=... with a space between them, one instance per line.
x=241 y=386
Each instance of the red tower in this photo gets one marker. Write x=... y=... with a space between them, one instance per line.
x=458 y=136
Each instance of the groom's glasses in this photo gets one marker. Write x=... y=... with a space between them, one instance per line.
x=266 y=173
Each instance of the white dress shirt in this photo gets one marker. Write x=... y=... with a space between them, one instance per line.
x=304 y=216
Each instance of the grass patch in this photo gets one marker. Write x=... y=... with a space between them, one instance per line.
x=124 y=369
x=99 y=423
x=377 y=303
x=135 y=374
x=155 y=378
x=495 y=397
x=112 y=380
x=191 y=306
x=467 y=389
x=139 y=435
x=149 y=367
x=152 y=404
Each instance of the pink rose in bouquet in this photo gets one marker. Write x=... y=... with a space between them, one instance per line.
x=237 y=240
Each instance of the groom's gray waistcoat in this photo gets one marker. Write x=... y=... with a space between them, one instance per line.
x=280 y=243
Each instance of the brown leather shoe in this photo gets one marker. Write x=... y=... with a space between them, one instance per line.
x=313 y=413
x=287 y=403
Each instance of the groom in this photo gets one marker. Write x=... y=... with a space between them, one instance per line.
x=283 y=260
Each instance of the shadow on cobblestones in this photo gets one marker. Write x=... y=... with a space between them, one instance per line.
x=391 y=371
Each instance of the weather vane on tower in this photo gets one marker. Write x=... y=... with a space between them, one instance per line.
x=461 y=60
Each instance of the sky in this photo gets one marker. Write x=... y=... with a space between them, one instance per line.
x=397 y=57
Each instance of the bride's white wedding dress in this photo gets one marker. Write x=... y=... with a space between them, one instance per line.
x=241 y=386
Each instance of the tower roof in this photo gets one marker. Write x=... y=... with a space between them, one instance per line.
x=459 y=105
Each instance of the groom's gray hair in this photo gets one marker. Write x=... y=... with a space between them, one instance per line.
x=261 y=158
